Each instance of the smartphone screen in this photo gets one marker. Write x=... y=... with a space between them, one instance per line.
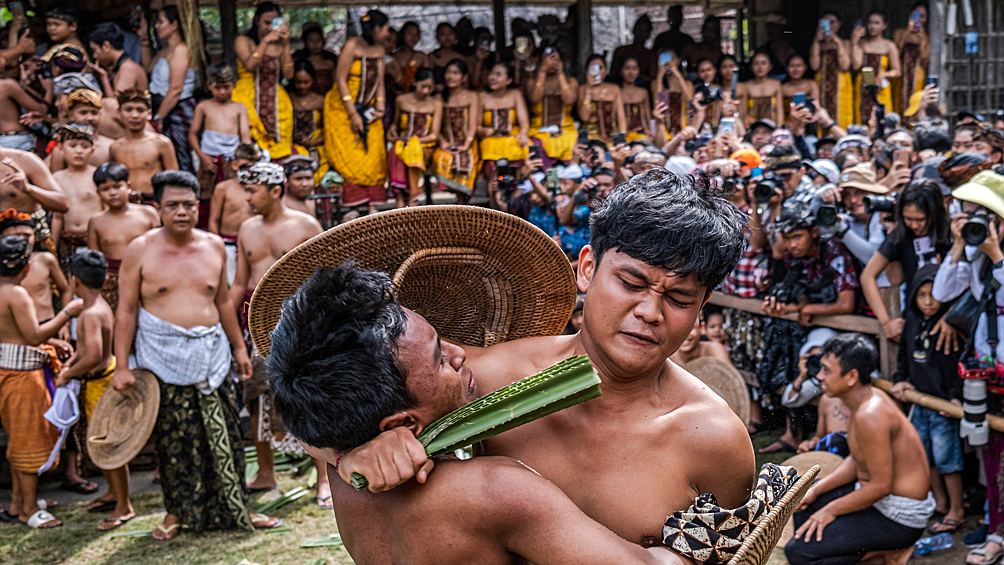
x=594 y=72
x=933 y=80
x=726 y=125
x=663 y=98
x=619 y=139
x=522 y=44
x=583 y=137
x=277 y=23
x=900 y=156
x=868 y=76
x=798 y=98
x=665 y=58
x=735 y=82
x=15 y=8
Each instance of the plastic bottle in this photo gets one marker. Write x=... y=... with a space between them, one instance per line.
x=933 y=543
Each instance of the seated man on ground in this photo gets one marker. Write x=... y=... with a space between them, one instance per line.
x=877 y=499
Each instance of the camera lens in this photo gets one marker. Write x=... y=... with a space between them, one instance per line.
x=765 y=189
x=974 y=231
x=812 y=365
x=879 y=204
x=826 y=216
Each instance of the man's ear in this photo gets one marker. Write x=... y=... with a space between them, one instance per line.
x=407 y=418
x=586 y=269
x=815 y=232
x=853 y=377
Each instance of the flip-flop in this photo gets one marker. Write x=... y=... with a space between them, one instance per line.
x=256 y=490
x=38 y=519
x=114 y=522
x=783 y=447
x=265 y=526
x=81 y=487
x=320 y=502
x=104 y=506
x=166 y=531
x=7 y=517
x=946 y=525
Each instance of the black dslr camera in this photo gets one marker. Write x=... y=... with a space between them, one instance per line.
x=789 y=290
x=764 y=190
x=879 y=203
x=506 y=179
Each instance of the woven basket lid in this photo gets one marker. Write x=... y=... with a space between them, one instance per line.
x=479 y=276
x=804 y=461
x=725 y=380
x=758 y=546
x=121 y=424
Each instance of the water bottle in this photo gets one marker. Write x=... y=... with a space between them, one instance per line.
x=923 y=546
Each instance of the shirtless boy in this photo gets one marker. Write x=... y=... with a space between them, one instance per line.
x=143 y=152
x=61 y=21
x=24 y=396
x=44 y=272
x=878 y=499
x=83 y=106
x=299 y=184
x=643 y=295
x=264 y=239
x=93 y=364
x=111 y=231
x=693 y=348
x=222 y=124
x=488 y=510
x=70 y=228
x=229 y=207
x=13 y=134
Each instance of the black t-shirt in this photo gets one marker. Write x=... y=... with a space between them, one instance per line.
x=913 y=253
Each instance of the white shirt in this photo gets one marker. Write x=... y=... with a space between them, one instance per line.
x=954 y=278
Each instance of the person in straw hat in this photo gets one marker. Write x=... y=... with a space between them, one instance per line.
x=24 y=359
x=642 y=297
x=261 y=241
x=174 y=307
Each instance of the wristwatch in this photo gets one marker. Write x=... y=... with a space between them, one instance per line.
x=68 y=313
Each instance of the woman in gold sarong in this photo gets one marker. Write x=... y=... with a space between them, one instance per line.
x=761 y=96
x=353 y=130
x=830 y=58
x=672 y=94
x=455 y=161
x=308 y=119
x=875 y=52
x=601 y=109
x=263 y=59
x=417 y=118
x=551 y=95
x=914 y=54
x=637 y=102
x=504 y=120
x=797 y=83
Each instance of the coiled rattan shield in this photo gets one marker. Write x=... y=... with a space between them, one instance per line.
x=479 y=276
x=758 y=546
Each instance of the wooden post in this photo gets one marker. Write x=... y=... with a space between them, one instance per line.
x=498 y=11
x=585 y=18
x=228 y=30
x=936 y=29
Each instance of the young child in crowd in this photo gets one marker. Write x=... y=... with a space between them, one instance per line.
x=111 y=231
x=223 y=125
x=229 y=206
x=83 y=106
x=93 y=364
x=142 y=151
x=921 y=366
x=44 y=273
x=299 y=184
x=70 y=229
x=714 y=325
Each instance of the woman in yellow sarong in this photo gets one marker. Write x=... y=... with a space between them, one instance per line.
x=762 y=96
x=504 y=122
x=830 y=58
x=870 y=49
x=417 y=118
x=264 y=59
x=797 y=83
x=637 y=102
x=456 y=159
x=601 y=108
x=353 y=112
x=914 y=54
x=308 y=119
x=551 y=95
x=672 y=94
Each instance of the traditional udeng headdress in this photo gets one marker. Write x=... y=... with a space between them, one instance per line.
x=76 y=130
x=83 y=97
x=268 y=174
x=134 y=95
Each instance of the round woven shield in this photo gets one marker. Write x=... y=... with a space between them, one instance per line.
x=479 y=276
x=725 y=380
x=804 y=461
x=120 y=425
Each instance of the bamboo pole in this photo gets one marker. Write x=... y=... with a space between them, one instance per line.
x=939 y=404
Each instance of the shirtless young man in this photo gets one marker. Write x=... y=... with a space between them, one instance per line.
x=143 y=152
x=83 y=106
x=174 y=308
x=108 y=45
x=13 y=134
x=24 y=397
x=263 y=239
x=111 y=231
x=218 y=127
x=229 y=206
x=878 y=499
x=299 y=184
x=70 y=229
x=658 y=437
x=488 y=510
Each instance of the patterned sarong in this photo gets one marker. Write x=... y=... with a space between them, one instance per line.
x=25 y=395
x=69 y=243
x=176 y=125
x=601 y=121
x=110 y=290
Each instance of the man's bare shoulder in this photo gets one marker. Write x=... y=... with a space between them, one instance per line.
x=228 y=185
x=250 y=225
x=499 y=365
x=210 y=239
x=303 y=220
x=45 y=258
x=876 y=413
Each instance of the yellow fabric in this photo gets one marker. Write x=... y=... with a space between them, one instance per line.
x=635 y=136
x=502 y=147
x=412 y=153
x=442 y=165
x=896 y=85
x=93 y=389
x=244 y=92
x=845 y=98
x=884 y=95
x=344 y=149
x=24 y=398
x=560 y=146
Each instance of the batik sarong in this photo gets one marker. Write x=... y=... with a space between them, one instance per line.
x=69 y=244
x=601 y=121
x=25 y=395
x=110 y=290
x=176 y=125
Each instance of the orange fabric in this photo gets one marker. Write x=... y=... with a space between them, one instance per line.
x=24 y=399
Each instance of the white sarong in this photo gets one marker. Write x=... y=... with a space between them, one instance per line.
x=197 y=356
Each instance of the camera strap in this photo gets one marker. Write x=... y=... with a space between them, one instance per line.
x=988 y=305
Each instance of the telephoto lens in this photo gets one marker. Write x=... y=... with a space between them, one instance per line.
x=826 y=216
x=974 y=404
x=765 y=189
x=879 y=204
x=974 y=231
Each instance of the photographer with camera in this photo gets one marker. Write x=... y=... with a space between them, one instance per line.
x=573 y=207
x=831 y=414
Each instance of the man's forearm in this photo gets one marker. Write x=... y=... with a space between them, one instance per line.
x=125 y=333
x=51 y=200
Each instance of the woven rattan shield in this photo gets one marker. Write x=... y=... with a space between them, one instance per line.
x=758 y=546
x=479 y=276
x=121 y=424
x=725 y=380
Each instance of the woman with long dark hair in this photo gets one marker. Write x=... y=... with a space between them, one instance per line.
x=456 y=159
x=922 y=236
x=417 y=119
x=504 y=121
x=353 y=113
x=172 y=84
x=601 y=109
x=797 y=82
x=406 y=60
x=263 y=60
x=308 y=126
x=637 y=102
x=323 y=61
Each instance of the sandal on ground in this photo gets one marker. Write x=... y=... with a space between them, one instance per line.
x=256 y=490
x=39 y=520
x=46 y=503
x=977 y=537
x=263 y=522
x=109 y=523
x=101 y=506
x=324 y=503
x=82 y=487
x=946 y=525
x=7 y=517
x=166 y=532
x=779 y=446
x=989 y=557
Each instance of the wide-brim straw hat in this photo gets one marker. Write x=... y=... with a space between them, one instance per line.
x=121 y=424
x=804 y=461
x=725 y=380
x=479 y=276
